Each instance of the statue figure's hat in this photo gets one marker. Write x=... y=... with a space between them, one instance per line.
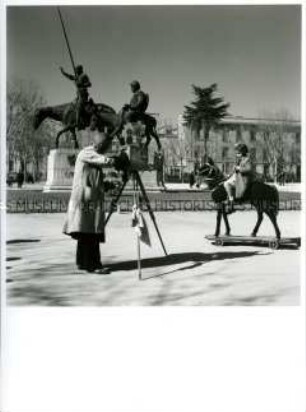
x=135 y=83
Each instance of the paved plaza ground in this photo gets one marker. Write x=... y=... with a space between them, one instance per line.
x=41 y=269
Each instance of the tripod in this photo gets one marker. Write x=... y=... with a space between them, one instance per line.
x=134 y=174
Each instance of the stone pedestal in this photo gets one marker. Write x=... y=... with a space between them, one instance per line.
x=148 y=179
x=140 y=160
x=141 y=157
x=60 y=170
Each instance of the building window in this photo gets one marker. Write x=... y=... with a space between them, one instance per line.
x=253 y=154
x=238 y=135
x=225 y=153
x=226 y=168
x=265 y=155
x=266 y=169
x=11 y=165
x=225 y=135
x=253 y=135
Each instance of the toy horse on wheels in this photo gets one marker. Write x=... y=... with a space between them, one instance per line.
x=263 y=197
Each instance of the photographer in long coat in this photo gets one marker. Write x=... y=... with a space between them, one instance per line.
x=85 y=216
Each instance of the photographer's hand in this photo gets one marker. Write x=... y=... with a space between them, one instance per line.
x=121 y=162
x=110 y=161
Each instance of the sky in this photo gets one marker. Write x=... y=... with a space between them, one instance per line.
x=253 y=53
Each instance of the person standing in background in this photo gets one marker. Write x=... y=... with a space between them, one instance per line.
x=159 y=166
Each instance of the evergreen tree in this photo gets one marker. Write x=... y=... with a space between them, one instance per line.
x=205 y=112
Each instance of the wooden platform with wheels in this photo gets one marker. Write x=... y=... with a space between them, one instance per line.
x=270 y=241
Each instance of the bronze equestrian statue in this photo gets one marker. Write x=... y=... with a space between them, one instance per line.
x=263 y=197
x=79 y=114
x=66 y=114
x=98 y=116
x=82 y=83
x=136 y=111
x=83 y=112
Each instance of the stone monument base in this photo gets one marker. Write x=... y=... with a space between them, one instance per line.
x=149 y=181
x=142 y=161
x=60 y=170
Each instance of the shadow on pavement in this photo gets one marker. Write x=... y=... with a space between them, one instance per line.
x=176 y=258
x=259 y=244
x=13 y=241
x=10 y=258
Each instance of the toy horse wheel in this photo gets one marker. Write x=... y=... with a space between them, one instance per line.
x=219 y=242
x=274 y=244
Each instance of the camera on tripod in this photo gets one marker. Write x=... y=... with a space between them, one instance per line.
x=135 y=148
x=132 y=158
x=138 y=157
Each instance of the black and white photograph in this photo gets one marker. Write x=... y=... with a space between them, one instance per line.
x=153 y=155
x=152 y=175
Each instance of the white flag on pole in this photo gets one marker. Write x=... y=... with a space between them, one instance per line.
x=140 y=225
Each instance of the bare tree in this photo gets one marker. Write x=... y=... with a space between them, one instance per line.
x=177 y=149
x=176 y=154
x=275 y=141
x=23 y=142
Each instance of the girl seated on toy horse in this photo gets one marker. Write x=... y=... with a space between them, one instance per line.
x=241 y=176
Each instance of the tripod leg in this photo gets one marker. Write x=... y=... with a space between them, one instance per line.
x=145 y=196
x=114 y=202
x=136 y=202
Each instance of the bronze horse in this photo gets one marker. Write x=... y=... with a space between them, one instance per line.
x=263 y=197
x=99 y=116
x=66 y=114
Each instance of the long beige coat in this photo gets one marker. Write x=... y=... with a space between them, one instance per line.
x=86 y=214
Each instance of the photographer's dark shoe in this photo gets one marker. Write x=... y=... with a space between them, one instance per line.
x=102 y=271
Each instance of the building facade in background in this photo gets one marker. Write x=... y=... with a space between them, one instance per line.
x=274 y=146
